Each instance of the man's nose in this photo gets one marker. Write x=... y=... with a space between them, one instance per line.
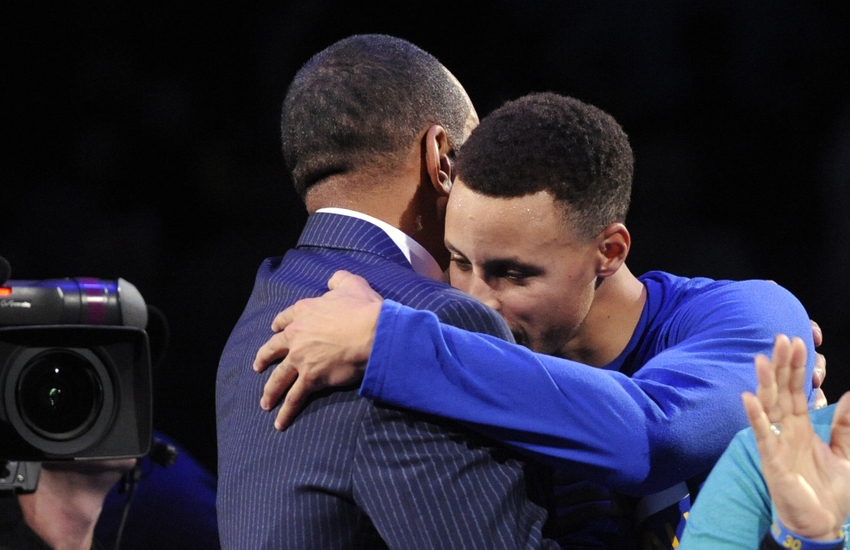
x=482 y=290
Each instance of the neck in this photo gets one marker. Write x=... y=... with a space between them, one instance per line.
x=611 y=321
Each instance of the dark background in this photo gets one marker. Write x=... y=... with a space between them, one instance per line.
x=141 y=141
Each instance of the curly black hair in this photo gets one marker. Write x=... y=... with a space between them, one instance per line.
x=360 y=102
x=546 y=141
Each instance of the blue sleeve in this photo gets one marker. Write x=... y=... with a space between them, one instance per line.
x=733 y=508
x=667 y=423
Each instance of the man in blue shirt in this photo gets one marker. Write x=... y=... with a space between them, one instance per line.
x=535 y=228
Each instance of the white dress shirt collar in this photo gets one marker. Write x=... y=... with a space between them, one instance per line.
x=420 y=259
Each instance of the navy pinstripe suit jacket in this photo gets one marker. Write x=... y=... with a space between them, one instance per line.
x=349 y=473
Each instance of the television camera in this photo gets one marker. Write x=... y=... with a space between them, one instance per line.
x=75 y=373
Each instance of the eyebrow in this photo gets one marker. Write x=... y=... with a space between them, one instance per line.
x=494 y=264
x=451 y=248
x=509 y=261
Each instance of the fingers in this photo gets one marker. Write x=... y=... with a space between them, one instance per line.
x=820 y=370
x=820 y=400
x=283 y=318
x=295 y=400
x=316 y=341
x=281 y=379
x=767 y=390
x=353 y=285
x=781 y=361
x=789 y=363
x=840 y=442
x=819 y=373
x=781 y=379
x=797 y=379
x=765 y=439
x=274 y=349
x=339 y=279
x=817 y=333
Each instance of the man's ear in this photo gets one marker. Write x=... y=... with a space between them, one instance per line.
x=613 y=244
x=438 y=162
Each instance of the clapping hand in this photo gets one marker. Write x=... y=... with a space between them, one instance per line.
x=808 y=479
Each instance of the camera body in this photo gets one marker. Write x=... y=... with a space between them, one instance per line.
x=75 y=371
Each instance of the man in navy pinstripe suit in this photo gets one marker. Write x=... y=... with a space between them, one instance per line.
x=370 y=126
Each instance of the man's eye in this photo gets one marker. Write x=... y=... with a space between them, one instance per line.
x=512 y=272
x=461 y=263
x=518 y=278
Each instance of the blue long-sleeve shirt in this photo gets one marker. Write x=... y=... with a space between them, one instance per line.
x=660 y=414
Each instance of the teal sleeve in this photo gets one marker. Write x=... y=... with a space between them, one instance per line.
x=733 y=508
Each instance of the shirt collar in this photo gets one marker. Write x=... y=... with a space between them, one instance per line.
x=420 y=259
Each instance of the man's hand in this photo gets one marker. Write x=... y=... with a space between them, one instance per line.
x=324 y=342
x=820 y=368
x=808 y=480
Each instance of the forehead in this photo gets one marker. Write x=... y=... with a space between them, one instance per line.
x=516 y=226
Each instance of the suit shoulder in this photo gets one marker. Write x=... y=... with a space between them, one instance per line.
x=462 y=310
x=451 y=306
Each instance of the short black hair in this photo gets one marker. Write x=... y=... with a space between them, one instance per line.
x=546 y=141
x=362 y=101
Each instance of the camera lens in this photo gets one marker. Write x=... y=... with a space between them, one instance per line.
x=59 y=394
